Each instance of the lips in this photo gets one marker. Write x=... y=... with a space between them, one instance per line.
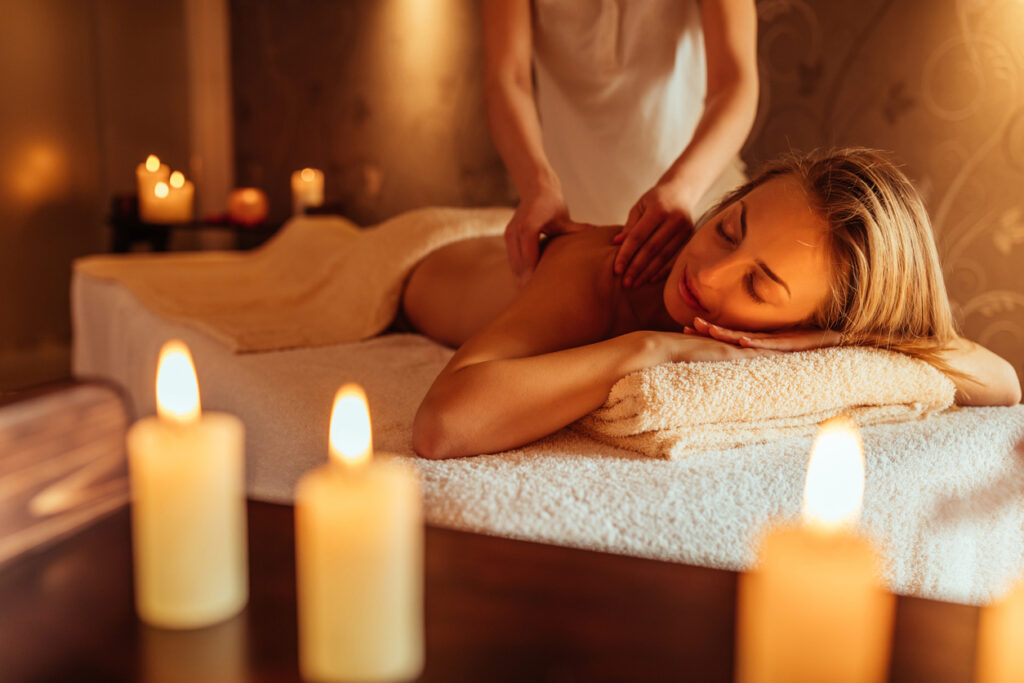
x=688 y=295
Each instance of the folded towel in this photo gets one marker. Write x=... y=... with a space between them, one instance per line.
x=673 y=409
x=321 y=280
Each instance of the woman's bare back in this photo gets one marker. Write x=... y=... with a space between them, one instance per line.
x=459 y=289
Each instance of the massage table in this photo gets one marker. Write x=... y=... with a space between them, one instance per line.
x=944 y=496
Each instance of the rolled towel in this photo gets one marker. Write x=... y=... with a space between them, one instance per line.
x=670 y=410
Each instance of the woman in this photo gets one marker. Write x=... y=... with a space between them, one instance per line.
x=830 y=248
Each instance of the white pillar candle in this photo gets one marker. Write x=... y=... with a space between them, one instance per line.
x=171 y=202
x=307 y=189
x=188 y=504
x=814 y=608
x=147 y=175
x=247 y=206
x=359 y=556
x=1000 y=656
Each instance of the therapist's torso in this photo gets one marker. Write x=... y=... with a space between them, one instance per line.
x=620 y=88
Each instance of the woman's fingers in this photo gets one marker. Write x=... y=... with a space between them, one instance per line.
x=659 y=250
x=634 y=239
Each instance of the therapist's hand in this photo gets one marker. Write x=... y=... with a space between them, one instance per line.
x=543 y=211
x=658 y=225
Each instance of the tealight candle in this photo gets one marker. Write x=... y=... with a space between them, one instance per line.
x=147 y=175
x=814 y=609
x=1000 y=634
x=359 y=558
x=307 y=189
x=171 y=202
x=188 y=504
x=247 y=206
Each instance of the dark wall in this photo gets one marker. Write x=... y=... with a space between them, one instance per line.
x=87 y=88
x=383 y=95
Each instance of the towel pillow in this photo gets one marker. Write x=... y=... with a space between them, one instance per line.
x=673 y=409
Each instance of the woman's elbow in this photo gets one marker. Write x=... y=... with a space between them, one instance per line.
x=431 y=436
x=1013 y=392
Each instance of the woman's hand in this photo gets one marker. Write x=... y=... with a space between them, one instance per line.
x=795 y=339
x=542 y=212
x=672 y=347
x=658 y=225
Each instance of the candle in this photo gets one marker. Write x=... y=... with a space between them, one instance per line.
x=813 y=609
x=188 y=504
x=307 y=189
x=1000 y=634
x=147 y=175
x=359 y=556
x=247 y=206
x=170 y=202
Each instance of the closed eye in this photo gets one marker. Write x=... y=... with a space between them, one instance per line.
x=749 y=283
x=724 y=235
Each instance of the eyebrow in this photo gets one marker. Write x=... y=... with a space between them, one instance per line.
x=764 y=266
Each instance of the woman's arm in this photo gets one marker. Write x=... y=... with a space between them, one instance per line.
x=994 y=383
x=515 y=129
x=662 y=217
x=502 y=403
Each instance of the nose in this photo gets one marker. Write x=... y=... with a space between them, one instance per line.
x=716 y=274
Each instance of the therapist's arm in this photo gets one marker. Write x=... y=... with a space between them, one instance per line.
x=515 y=129
x=662 y=219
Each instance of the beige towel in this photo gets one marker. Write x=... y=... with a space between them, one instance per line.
x=320 y=281
x=674 y=409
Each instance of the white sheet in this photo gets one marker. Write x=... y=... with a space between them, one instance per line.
x=944 y=495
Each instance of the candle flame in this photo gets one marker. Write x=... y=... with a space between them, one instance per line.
x=177 y=179
x=835 y=476
x=177 y=389
x=152 y=163
x=161 y=190
x=351 y=441
x=307 y=175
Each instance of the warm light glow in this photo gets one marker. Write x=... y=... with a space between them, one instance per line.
x=835 y=476
x=307 y=175
x=177 y=179
x=161 y=190
x=177 y=389
x=350 y=436
x=152 y=163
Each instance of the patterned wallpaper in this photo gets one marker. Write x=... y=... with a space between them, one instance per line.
x=941 y=84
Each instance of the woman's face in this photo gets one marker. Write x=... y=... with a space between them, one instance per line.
x=761 y=263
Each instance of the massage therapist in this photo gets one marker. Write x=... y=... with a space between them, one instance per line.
x=633 y=112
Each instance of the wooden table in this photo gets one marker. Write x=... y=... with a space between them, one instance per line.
x=496 y=610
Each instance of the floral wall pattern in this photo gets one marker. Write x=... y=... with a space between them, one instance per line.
x=941 y=84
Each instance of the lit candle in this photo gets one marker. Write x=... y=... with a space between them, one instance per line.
x=171 y=202
x=247 y=206
x=814 y=609
x=188 y=504
x=1000 y=634
x=307 y=189
x=147 y=175
x=359 y=556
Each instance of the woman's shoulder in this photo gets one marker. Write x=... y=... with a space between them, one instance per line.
x=588 y=246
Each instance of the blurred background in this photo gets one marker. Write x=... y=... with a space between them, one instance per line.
x=385 y=97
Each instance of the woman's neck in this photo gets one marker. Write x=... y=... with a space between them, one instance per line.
x=648 y=307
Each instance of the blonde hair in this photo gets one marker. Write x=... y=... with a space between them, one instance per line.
x=887 y=288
